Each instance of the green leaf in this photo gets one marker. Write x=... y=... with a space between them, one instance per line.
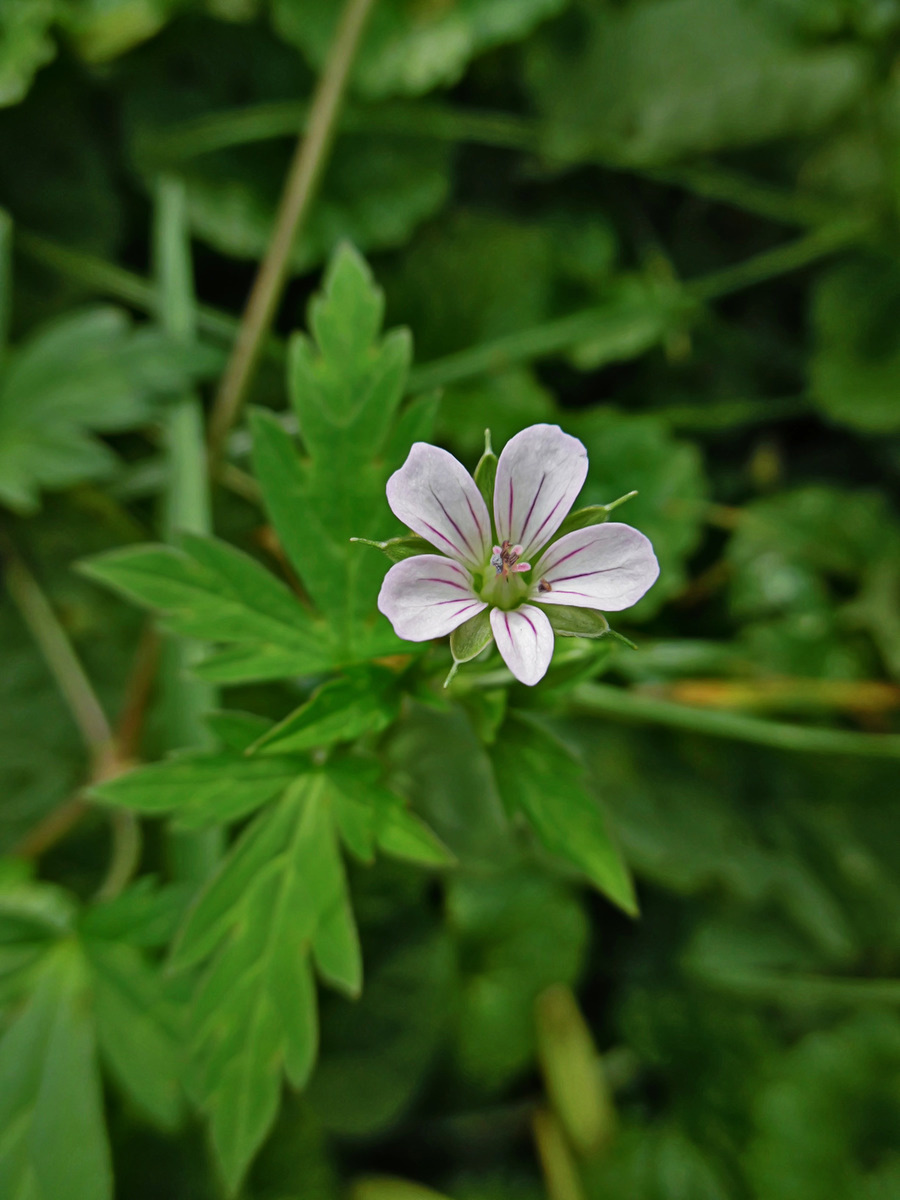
x=345 y=389
x=236 y=730
x=539 y=778
x=412 y=51
x=200 y=789
x=103 y=29
x=138 y=1030
x=51 y=1109
x=278 y=899
x=634 y=85
x=855 y=371
x=367 y=813
x=144 y=914
x=25 y=45
x=339 y=711
x=85 y=373
x=376 y=189
x=208 y=590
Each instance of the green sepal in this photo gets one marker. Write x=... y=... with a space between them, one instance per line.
x=486 y=472
x=620 y=637
x=399 y=548
x=469 y=639
x=567 y=621
x=594 y=514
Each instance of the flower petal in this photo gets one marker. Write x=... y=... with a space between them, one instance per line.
x=603 y=566
x=525 y=640
x=540 y=472
x=435 y=496
x=427 y=597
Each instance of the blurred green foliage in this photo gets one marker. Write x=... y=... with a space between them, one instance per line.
x=413 y=969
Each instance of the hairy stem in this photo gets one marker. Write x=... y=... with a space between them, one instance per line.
x=302 y=180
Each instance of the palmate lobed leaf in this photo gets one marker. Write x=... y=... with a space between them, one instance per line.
x=86 y=991
x=207 y=589
x=277 y=904
x=53 y=1145
x=538 y=778
x=346 y=389
x=276 y=912
x=85 y=373
x=339 y=711
x=200 y=789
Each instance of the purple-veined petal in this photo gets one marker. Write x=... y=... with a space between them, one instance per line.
x=603 y=566
x=525 y=641
x=540 y=472
x=435 y=496
x=427 y=597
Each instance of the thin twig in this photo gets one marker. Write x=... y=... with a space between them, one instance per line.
x=303 y=176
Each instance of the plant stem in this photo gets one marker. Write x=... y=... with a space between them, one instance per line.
x=551 y=337
x=602 y=699
x=6 y=235
x=60 y=657
x=303 y=177
x=186 y=699
x=52 y=828
x=782 y=260
x=614 y=321
x=123 y=285
x=126 y=853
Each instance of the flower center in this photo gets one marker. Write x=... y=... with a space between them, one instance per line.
x=504 y=588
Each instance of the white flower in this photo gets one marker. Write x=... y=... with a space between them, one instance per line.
x=539 y=474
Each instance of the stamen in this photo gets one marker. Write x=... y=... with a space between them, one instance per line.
x=505 y=560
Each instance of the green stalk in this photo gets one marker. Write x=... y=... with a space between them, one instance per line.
x=6 y=235
x=262 y=122
x=185 y=509
x=604 y=700
x=123 y=285
x=300 y=187
x=527 y=345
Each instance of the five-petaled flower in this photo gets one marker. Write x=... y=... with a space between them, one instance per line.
x=539 y=474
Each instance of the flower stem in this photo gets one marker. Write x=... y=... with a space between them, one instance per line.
x=302 y=180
